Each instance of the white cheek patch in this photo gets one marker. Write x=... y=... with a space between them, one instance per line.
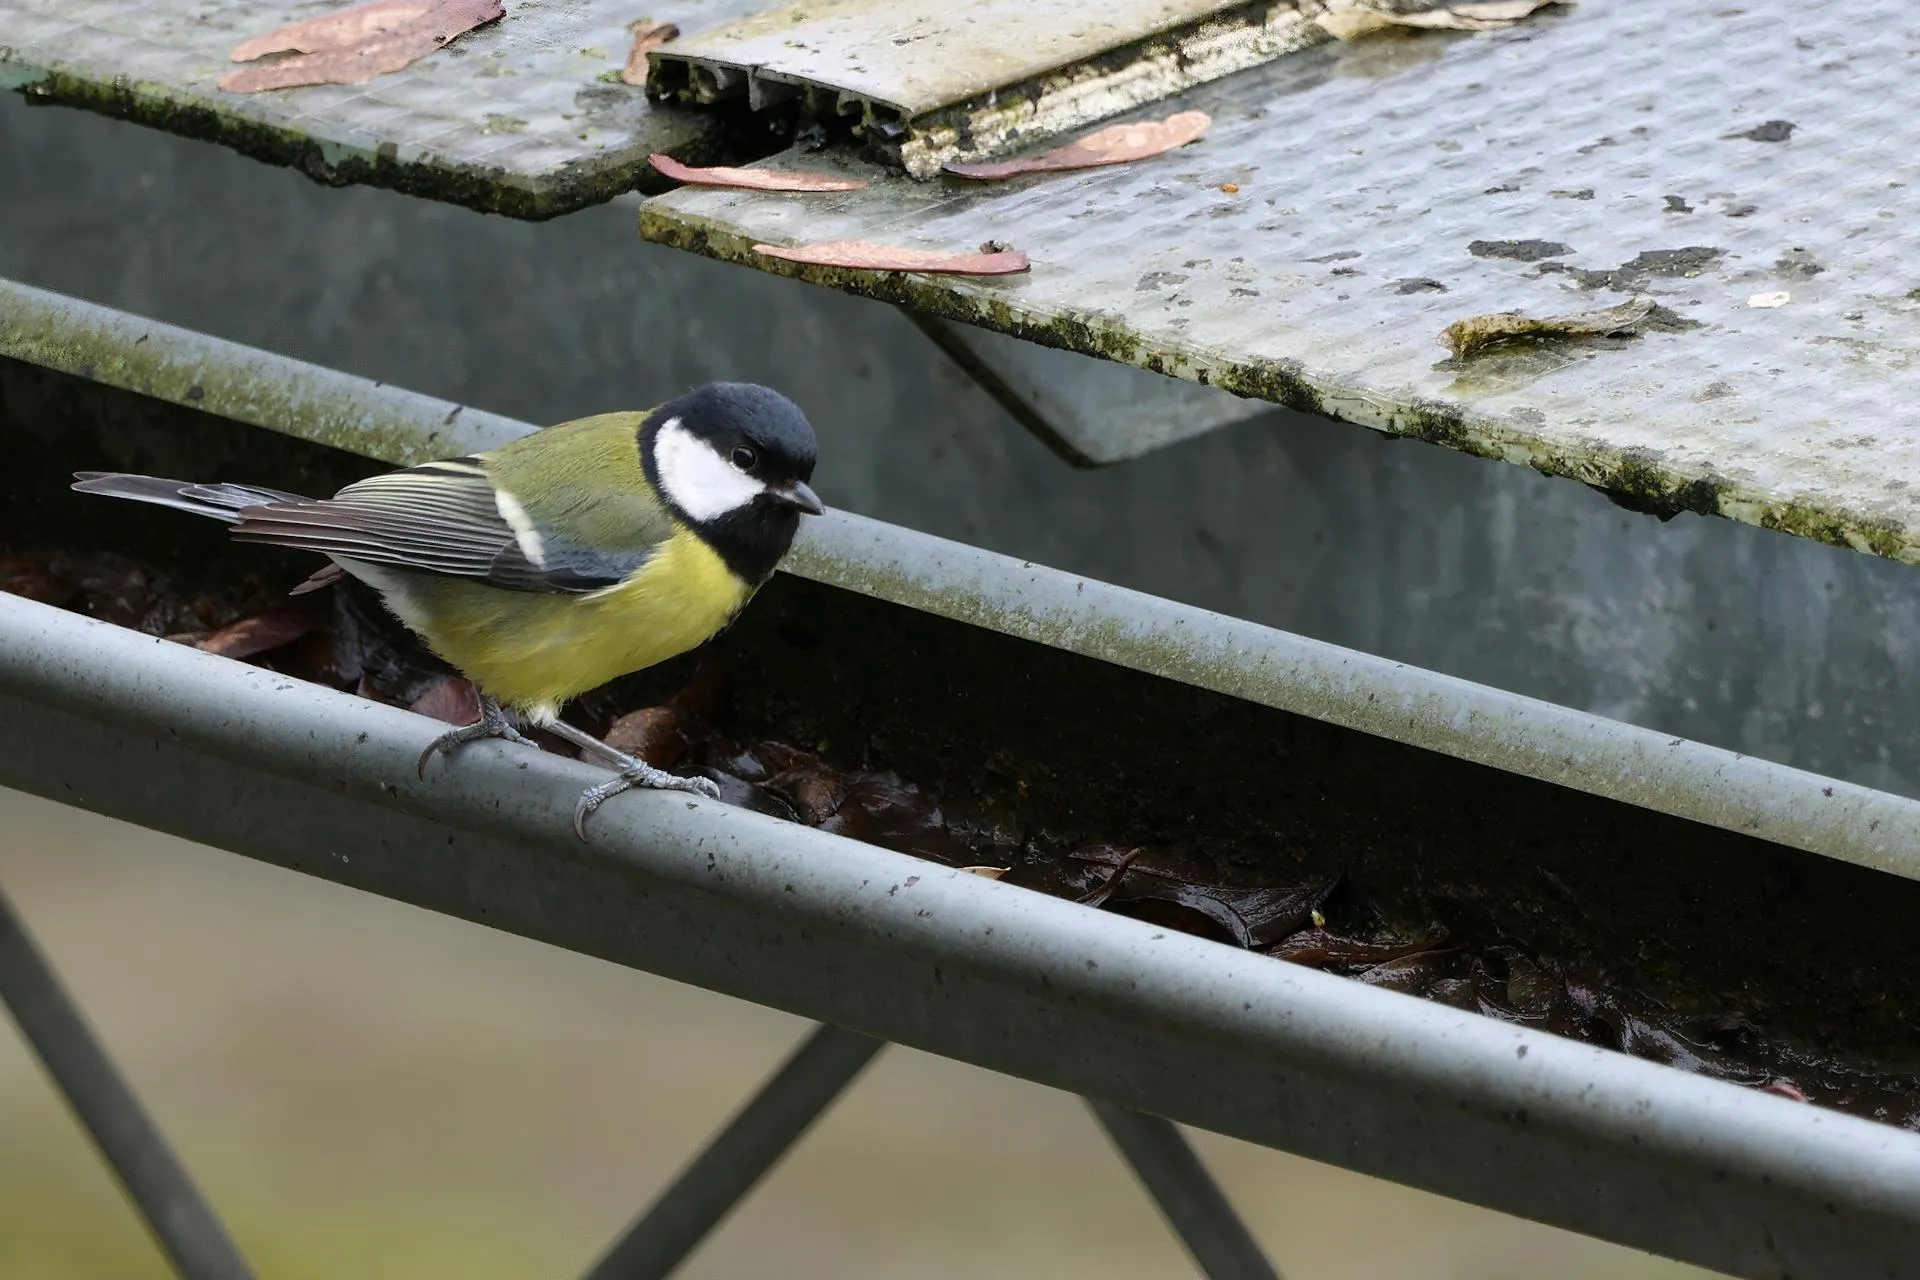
x=698 y=480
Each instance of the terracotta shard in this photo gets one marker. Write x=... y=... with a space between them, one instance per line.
x=752 y=179
x=648 y=35
x=356 y=45
x=1116 y=144
x=862 y=255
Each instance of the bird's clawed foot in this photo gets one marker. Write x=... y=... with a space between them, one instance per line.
x=637 y=773
x=629 y=772
x=493 y=723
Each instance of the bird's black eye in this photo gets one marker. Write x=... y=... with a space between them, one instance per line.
x=744 y=459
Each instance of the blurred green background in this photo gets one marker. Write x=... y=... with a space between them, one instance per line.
x=373 y=1091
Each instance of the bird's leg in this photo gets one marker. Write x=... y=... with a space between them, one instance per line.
x=493 y=723
x=631 y=772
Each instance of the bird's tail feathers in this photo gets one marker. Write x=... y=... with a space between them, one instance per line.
x=222 y=502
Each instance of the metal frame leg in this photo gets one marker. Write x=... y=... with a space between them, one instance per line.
x=1189 y=1198
x=739 y=1156
x=181 y=1222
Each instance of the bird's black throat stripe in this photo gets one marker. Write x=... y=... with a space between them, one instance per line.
x=753 y=540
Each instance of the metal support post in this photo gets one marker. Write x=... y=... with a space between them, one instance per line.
x=1189 y=1198
x=181 y=1222
x=739 y=1156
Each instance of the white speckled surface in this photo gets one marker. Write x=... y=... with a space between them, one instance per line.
x=526 y=116
x=1365 y=172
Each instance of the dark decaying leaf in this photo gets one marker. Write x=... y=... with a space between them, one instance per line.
x=862 y=255
x=1320 y=949
x=1098 y=895
x=374 y=657
x=36 y=580
x=1115 y=144
x=752 y=179
x=653 y=734
x=1476 y=333
x=260 y=633
x=355 y=45
x=453 y=700
x=875 y=807
x=1252 y=916
x=648 y=35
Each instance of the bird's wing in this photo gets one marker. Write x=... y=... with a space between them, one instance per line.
x=444 y=518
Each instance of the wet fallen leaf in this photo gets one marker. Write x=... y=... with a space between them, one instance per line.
x=1476 y=333
x=752 y=179
x=815 y=794
x=375 y=658
x=118 y=591
x=36 y=580
x=1098 y=895
x=1604 y=1017
x=452 y=700
x=261 y=633
x=355 y=45
x=1253 y=916
x=1415 y=974
x=1351 y=20
x=882 y=809
x=1115 y=144
x=875 y=807
x=1318 y=949
x=648 y=35
x=862 y=255
x=991 y=873
x=654 y=734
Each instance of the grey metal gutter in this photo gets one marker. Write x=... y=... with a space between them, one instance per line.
x=1498 y=1115
x=1144 y=633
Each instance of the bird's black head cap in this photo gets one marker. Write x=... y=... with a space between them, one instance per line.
x=733 y=460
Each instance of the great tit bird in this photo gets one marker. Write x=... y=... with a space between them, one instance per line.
x=561 y=561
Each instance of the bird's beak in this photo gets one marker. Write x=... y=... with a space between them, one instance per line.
x=798 y=496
